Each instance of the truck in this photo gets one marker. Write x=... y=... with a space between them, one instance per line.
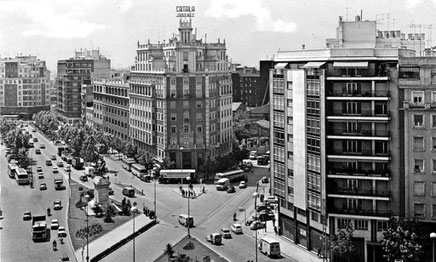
x=39 y=228
x=214 y=238
x=77 y=162
x=59 y=182
x=269 y=247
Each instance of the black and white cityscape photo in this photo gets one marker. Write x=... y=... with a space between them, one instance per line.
x=218 y=130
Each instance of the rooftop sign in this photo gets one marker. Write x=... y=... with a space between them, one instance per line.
x=185 y=11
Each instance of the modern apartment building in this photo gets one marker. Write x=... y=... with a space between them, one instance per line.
x=181 y=99
x=417 y=84
x=71 y=75
x=24 y=86
x=111 y=106
x=336 y=139
x=246 y=87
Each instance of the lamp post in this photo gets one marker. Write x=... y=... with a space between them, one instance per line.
x=181 y=164
x=133 y=210
x=245 y=214
x=189 y=215
x=155 y=212
x=255 y=195
x=433 y=237
x=87 y=197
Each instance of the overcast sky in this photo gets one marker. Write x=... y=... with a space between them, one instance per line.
x=253 y=29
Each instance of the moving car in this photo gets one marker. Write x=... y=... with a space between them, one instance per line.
x=236 y=228
x=225 y=232
x=35 y=139
x=55 y=170
x=43 y=186
x=111 y=191
x=38 y=169
x=40 y=175
x=242 y=184
x=27 y=215
x=60 y=164
x=61 y=232
x=68 y=168
x=48 y=162
x=57 y=205
x=37 y=151
x=270 y=247
x=231 y=189
x=255 y=225
x=53 y=157
x=54 y=224
x=42 y=146
x=214 y=238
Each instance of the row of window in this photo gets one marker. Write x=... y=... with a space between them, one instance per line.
x=419 y=166
x=419 y=188
x=419 y=210
x=361 y=224
x=419 y=121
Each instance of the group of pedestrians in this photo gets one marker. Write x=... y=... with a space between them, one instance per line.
x=188 y=193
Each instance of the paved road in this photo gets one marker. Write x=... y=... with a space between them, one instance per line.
x=16 y=241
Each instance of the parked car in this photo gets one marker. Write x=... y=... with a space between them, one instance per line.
x=111 y=191
x=231 y=189
x=64 y=258
x=37 y=151
x=68 y=168
x=43 y=186
x=57 y=205
x=253 y=155
x=61 y=232
x=236 y=228
x=42 y=146
x=60 y=164
x=34 y=130
x=264 y=215
x=271 y=200
x=265 y=179
x=255 y=225
x=38 y=169
x=53 y=157
x=40 y=175
x=260 y=208
x=55 y=170
x=83 y=178
x=225 y=232
x=27 y=215
x=54 y=224
x=35 y=139
x=48 y=162
x=242 y=184
x=246 y=166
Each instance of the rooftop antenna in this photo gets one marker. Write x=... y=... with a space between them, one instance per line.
x=346 y=8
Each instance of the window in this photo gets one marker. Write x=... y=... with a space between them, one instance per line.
x=418 y=121
x=433 y=211
x=433 y=189
x=382 y=226
x=173 y=129
x=418 y=143
x=199 y=117
x=418 y=166
x=186 y=129
x=185 y=104
x=343 y=223
x=417 y=97
x=315 y=216
x=199 y=104
x=419 y=188
x=199 y=129
x=173 y=117
x=433 y=94
x=352 y=108
x=409 y=72
x=419 y=210
x=173 y=104
x=361 y=224
x=351 y=88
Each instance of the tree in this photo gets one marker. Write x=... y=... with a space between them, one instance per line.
x=169 y=251
x=89 y=153
x=130 y=150
x=341 y=243
x=22 y=158
x=207 y=168
x=401 y=241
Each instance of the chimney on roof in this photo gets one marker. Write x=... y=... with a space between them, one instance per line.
x=357 y=18
x=303 y=46
x=340 y=19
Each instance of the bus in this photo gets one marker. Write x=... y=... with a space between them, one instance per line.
x=177 y=176
x=21 y=176
x=12 y=169
x=140 y=171
x=234 y=175
x=127 y=163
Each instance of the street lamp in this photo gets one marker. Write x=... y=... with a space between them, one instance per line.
x=255 y=195
x=181 y=164
x=155 y=213
x=433 y=237
x=189 y=217
x=133 y=210
x=87 y=198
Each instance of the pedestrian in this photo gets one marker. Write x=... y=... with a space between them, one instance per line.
x=319 y=252
x=275 y=229
x=183 y=192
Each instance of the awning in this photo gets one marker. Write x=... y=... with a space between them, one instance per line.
x=313 y=65
x=409 y=69
x=350 y=64
x=280 y=66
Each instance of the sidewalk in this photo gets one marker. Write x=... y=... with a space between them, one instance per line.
x=113 y=237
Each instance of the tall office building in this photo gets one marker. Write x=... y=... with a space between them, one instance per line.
x=72 y=74
x=181 y=99
x=247 y=88
x=336 y=139
x=24 y=86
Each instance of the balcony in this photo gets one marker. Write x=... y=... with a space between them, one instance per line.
x=419 y=105
x=384 y=175
x=363 y=152
x=362 y=95
x=359 y=212
x=362 y=132
x=371 y=113
x=359 y=192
